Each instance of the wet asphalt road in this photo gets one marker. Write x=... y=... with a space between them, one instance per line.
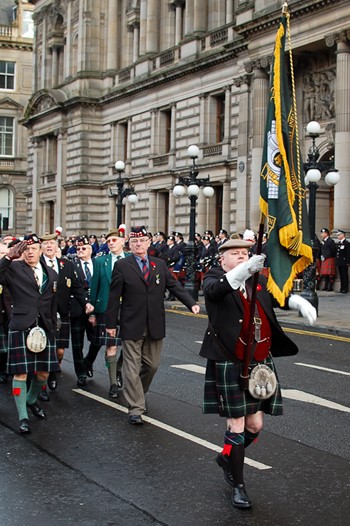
x=85 y=465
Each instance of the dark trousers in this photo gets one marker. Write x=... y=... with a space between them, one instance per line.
x=344 y=278
x=79 y=327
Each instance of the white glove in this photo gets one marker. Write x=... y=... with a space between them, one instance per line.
x=305 y=308
x=238 y=275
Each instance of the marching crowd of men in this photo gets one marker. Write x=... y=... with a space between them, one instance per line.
x=54 y=293
x=40 y=276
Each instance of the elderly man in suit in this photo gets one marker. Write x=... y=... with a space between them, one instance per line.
x=32 y=285
x=99 y=294
x=140 y=281
x=68 y=286
x=79 y=316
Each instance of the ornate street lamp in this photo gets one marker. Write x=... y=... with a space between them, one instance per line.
x=313 y=170
x=122 y=194
x=193 y=185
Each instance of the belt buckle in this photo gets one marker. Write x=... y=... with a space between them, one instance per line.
x=257 y=322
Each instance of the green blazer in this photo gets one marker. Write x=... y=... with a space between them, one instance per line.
x=101 y=282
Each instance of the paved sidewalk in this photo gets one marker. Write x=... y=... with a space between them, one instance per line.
x=333 y=313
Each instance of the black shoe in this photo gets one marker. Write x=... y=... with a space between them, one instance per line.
x=37 y=410
x=135 y=420
x=81 y=382
x=52 y=381
x=24 y=426
x=119 y=380
x=88 y=369
x=44 y=396
x=224 y=463
x=239 y=497
x=3 y=378
x=113 y=391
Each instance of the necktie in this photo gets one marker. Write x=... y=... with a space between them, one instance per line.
x=145 y=270
x=87 y=273
x=52 y=264
x=36 y=275
x=244 y=292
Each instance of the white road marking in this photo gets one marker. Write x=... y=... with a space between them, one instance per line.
x=292 y=394
x=170 y=429
x=322 y=368
x=300 y=396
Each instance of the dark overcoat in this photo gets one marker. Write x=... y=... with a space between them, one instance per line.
x=28 y=302
x=142 y=304
x=225 y=312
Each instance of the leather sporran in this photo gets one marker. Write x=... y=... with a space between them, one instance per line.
x=262 y=382
x=36 y=339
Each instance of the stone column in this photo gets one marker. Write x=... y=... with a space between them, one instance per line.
x=135 y=54
x=342 y=135
x=69 y=44
x=243 y=186
x=60 y=212
x=152 y=26
x=229 y=11
x=35 y=177
x=203 y=119
x=189 y=16
x=143 y=26
x=178 y=24
x=226 y=205
x=112 y=213
x=54 y=66
x=152 y=212
x=202 y=214
x=172 y=216
x=112 y=35
x=200 y=16
x=260 y=93
x=154 y=132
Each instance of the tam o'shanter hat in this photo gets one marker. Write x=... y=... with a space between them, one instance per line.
x=47 y=236
x=138 y=231
x=30 y=239
x=81 y=241
x=235 y=243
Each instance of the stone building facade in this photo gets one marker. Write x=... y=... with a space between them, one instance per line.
x=141 y=80
x=16 y=51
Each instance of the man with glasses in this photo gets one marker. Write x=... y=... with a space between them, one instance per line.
x=140 y=281
x=79 y=319
x=68 y=286
x=99 y=294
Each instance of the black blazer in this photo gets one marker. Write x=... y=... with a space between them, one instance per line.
x=68 y=286
x=225 y=313
x=28 y=303
x=142 y=305
x=75 y=306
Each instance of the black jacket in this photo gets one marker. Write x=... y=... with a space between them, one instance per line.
x=225 y=313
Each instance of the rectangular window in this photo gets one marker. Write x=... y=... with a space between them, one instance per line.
x=6 y=136
x=6 y=209
x=7 y=75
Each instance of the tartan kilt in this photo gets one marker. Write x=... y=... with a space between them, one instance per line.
x=21 y=360
x=328 y=267
x=62 y=339
x=4 y=341
x=223 y=395
x=101 y=337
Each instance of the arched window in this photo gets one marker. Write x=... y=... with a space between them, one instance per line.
x=6 y=209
